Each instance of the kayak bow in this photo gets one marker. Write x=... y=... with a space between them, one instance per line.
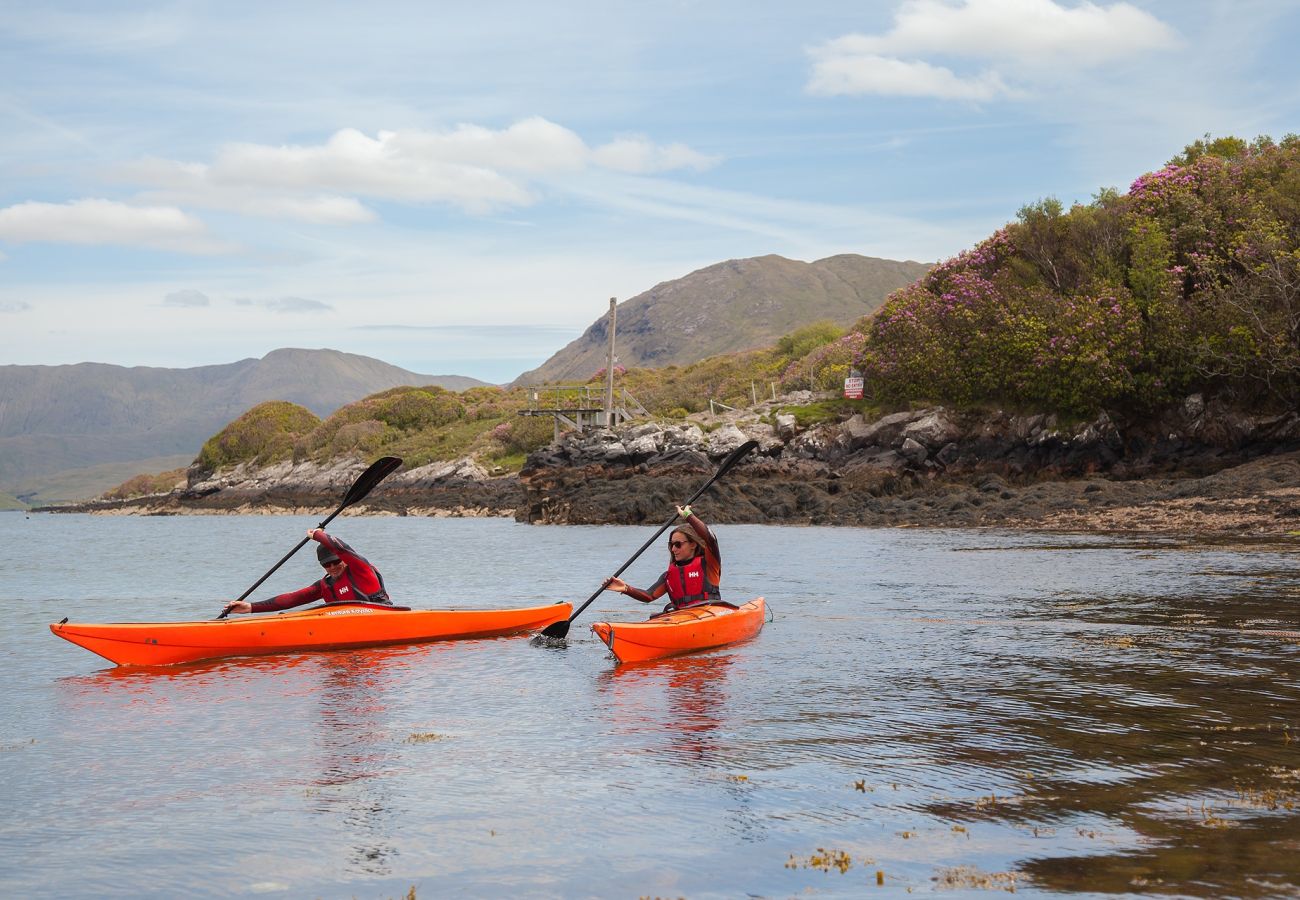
x=331 y=627
x=682 y=630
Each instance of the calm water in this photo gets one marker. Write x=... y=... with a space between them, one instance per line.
x=948 y=712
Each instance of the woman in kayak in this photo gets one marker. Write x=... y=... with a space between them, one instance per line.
x=694 y=570
x=348 y=576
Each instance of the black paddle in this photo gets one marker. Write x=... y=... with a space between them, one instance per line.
x=365 y=483
x=560 y=629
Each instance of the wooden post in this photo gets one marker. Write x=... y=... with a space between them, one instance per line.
x=609 y=366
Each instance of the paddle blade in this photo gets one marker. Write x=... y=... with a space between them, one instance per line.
x=557 y=629
x=736 y=456
x=366 y=481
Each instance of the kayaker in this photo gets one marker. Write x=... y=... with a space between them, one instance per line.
x=348 y=576
x=694 y=567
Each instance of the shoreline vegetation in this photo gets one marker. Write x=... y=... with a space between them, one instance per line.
x=1130 y=364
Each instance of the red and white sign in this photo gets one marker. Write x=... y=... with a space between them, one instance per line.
x=853 y=388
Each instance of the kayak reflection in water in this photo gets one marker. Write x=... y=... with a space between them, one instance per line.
x=694 y=568
x=348 y=577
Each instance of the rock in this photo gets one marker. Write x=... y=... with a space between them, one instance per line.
x=614 y=451
x=886 y=431
x=1024 y=427
x=913 y=451
x=812 y=444
x=934 y=429
x=682 y=436
x=648 y=428
x=645 y=445
x=725 y=439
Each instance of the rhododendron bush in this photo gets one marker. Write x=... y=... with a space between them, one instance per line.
x=1190 y=281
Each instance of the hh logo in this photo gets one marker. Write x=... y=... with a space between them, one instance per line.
x=692 y=574
x=343 y=589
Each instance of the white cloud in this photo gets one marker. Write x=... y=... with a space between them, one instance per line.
x=286 y=304
x=870 y=74
x=533 y=145
x=95 y=221
x=190 y=184
x=353 y=163
x=1040 y=32
x=637 y=155
x=1020 y=36
x=14 y=306
x=187 y=299
x=471 y=167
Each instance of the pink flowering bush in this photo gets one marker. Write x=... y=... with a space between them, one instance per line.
x=825 y=367
x=1191 y=280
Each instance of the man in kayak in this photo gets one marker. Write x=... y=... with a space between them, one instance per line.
x=348 y=576
x=694 y=568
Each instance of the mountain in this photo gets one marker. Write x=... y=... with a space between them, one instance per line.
x=69 y=432
x=735 y=305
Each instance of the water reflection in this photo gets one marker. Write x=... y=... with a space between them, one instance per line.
x=1175 y=744
x=682 y=708
x=683 y=697
x=353 y=761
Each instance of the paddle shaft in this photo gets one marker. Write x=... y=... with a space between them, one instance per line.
x=364 y=484
x=560 y=629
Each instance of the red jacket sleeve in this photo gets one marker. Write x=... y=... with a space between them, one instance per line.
x=712 y=553
x=288 y=601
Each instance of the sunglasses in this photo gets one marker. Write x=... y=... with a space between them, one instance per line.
x=676 y=544
x=331 y=564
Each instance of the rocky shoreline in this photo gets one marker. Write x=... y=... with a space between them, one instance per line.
x=1199 y=469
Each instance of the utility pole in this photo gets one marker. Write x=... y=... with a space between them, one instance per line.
x=609 y=365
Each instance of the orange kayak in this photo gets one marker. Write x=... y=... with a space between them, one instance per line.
x=682 y=630
x=331 y=627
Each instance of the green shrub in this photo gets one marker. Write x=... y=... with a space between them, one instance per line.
x=266 y=433
x=143 y=485
x=801 y=342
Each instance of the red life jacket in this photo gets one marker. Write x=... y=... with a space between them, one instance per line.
x=343 y=589
x=688 y=586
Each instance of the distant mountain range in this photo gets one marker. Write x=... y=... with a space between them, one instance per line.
x=735 y=305
x=69 y=432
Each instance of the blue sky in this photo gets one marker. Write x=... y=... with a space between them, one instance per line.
x=459 y=188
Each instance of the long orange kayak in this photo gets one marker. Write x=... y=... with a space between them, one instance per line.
x=330 y=627
x=682 y=630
